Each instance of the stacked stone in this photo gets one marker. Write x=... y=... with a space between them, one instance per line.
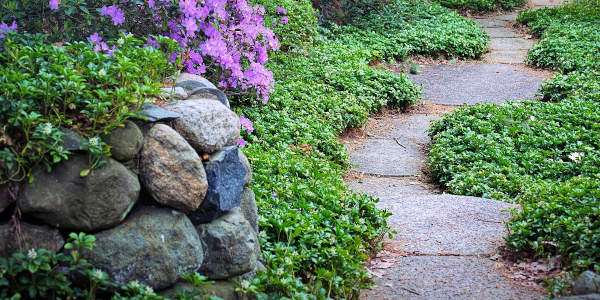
x=173 y=198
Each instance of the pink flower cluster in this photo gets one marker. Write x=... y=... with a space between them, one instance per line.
x=5 y=27
x=226 y=34
x=114 y=12
x=224 y=37
x=99 y=45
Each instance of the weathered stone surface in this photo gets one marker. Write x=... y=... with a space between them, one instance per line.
x=250 y=275
x=587 y=283
x=176 y=92
x=249 y=209
x=64 y=199
x=447 y=278
x=153 y=245
x=206 y=124
x=7 y=193
x=226 y=176
x=171 y=170
x=71 y=140
x=224 y=289
x=246 y=164
x=190 y=81
x=477 y=83
x=126 y=141
x=229 y=243
x=32 y=237
x=581 y=297
x=209 y=93
x=155 y=113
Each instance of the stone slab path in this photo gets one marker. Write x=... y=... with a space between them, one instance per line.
x=446 y=246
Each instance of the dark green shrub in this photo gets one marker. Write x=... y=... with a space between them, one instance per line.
x=301 y=30
x=414 y=28
x=344 y=12
x=481 y=5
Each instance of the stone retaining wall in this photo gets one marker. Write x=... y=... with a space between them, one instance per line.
x=173 y=198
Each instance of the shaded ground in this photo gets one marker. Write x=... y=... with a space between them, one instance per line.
x=446 y=246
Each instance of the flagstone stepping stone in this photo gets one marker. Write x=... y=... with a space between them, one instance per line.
x=500 y=32
x=445 y=277
x=511 y=44
x=476 y=83
x=506 y=57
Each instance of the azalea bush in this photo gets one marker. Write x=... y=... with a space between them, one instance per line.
x=224 y=40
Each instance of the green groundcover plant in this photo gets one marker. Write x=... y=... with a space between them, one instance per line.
x=46 y=88
x=481 y=5
x=542 y=155
x=42 y=274
x=315 y=233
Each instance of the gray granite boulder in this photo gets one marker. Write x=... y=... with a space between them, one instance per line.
x=246 y=164
x=209 y=94
x=126 y=141
x=207 y=125
x=155 y=113
x=64 y=199
x=175 y=92
x=230 y=244
x=171 y=170
x=587 y=283
x=190 y=81
x=31 y=237
x=153 y=246
x=249 y=209
x=226 y=176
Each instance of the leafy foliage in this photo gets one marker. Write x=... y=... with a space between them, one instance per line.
x=315 y=233
x=543 y=155
x=46 y=88
x=42 y=274
x=481 y=5
x=415 y=28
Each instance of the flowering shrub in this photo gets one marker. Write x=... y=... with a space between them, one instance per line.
x=223 y=39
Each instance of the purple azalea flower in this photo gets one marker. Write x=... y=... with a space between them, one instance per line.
x=284 y=20
x=150 y=42
x=281 y=10
x=151 y=3
x=95 y=38
x=241 y=143
x=247 y=124
x=114 y=12
x=53 y=4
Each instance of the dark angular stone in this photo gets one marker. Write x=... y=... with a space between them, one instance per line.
x=226 y=177
x=155 y=113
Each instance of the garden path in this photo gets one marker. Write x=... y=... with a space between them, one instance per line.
x=446 y=246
